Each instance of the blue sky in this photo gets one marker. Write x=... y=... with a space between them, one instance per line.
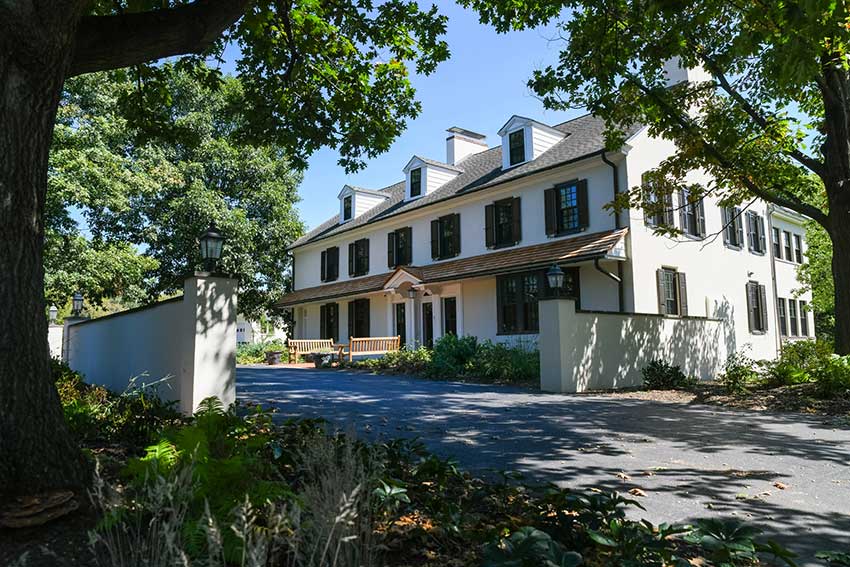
x=479 y=88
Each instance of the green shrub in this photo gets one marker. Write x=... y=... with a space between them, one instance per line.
x=496 y=362
x=661 y=375
x=255 y=353
x=403 y=361
x=739 y=373
x=796 y=363
x=452 y=356
x=833 y=377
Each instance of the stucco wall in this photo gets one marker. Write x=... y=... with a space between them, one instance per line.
x=584 y=350
x=191 y=339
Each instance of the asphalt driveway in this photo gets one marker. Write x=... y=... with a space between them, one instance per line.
x=691 y=460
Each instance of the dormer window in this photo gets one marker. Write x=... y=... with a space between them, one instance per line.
x=516 y=143
x=346 y=208
x=415 y=182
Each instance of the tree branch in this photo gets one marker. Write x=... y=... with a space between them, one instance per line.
x=113 y=42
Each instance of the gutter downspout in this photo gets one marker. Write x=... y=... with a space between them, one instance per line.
x=770 y=209
x=621 y=291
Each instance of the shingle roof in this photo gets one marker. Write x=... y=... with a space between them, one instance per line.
x=376 y=192
x=585 y=137
x=562 y=251
x=436 y=163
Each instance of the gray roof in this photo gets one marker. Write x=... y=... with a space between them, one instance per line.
x=585 y=136
x=436 y=163
x=376 y=192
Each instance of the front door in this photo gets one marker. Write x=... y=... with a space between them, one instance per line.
x=400 y=323
x=428 y=325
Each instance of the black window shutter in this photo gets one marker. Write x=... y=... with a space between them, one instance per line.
x=391 y=259
x=435 y=239
x=550 y=200
x=456 y=234
x=751 y=307
x=682 y=283
x=701 y=218
x=351 y=249
x=760 y=227
x=763 y=307
x=334 y=263
x=365 y=245
x=659 y=282
x=324 y=265
x=351 y=310
x=408 y=245
x=490 y=226
x=727 y=224
x=683 y=212
x=323 y=319
x=517 y=220
x=581 y=201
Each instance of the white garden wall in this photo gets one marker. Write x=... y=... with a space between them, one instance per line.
x=593 y=350
x=188 y=339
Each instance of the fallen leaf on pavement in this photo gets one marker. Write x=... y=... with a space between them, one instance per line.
x=623 y=476
x=780 y=485
x=637 y=492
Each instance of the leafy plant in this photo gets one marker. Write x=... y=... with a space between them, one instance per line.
x=497 y=362
x=639 y=543
x=661 y=375
x=255 y=353
x=390 y=497
x=529 y=547
x=739 y=373
x=835 y=557
x=729 y=543
x=833 y=377
x=452 y=356
x=796 y=363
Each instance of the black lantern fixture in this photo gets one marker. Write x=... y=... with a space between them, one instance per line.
x=211 y=243
x=555 y=275
x=77 y=304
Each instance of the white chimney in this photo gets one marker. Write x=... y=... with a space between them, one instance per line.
x=462 y=143
x=676 y=74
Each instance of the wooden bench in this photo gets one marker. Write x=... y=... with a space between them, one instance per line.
x=369 y=345
x=297 y=347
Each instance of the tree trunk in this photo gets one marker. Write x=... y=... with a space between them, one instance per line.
x=840 y=235
x=37 y=451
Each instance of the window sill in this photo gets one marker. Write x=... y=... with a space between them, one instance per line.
x=733 y=247
x=570 y=232
x=758 y=332
x=505 y=245
x=512 y=333
x=757 y=253
x=784 y=261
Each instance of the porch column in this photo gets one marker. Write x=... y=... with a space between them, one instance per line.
x=459 y=307
x=437 y=309
x=410 y=321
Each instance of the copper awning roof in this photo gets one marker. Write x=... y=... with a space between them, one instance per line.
x=562 y=251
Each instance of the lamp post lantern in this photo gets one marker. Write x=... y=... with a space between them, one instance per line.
x=555 y=275
x=53 y=313
x=77 y=304
x=211 y=243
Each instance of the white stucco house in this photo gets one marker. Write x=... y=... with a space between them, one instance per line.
x=461 y=244
x=249 y=332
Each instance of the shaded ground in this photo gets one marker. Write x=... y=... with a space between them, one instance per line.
x=790 y=473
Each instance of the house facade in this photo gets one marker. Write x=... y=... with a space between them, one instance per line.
x=462 y=245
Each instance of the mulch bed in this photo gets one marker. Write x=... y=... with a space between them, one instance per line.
x=799 y=398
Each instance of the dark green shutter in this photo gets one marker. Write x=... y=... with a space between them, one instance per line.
x=392 y=262
x=408 y=245
x=550 y=200
x=582 y=201
x=739 y=226
x=435 y=239
x=761 y=236
x=490 y=226
x=324 y=265
x=334 y=263
x=751 y=306
x=682 y=283
x=516 y=217
x=351 y=252
x=455 y=219
x=659 y=285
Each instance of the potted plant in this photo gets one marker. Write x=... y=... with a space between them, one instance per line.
x=323 y=358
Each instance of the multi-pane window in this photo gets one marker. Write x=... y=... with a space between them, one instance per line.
x=792 y=317
x=445 y=237
x=401 y=322
x=756 y=307
x=502 y=223
x=804 y=320
x=516 y=147
x=691 y=214
x=358 y=257
x=346 y=207
x=788 y=253
x=658 y=204
x=672 y=292
x=755 y=232
x=566 y=208
x=330 y=264
x=450 y=315
x=777 y=243
x=400 y=247
x=329 y=321
x=733 y=227
x=798 y=249
x=416 y=182
x=783 y=316
x=517 y=297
